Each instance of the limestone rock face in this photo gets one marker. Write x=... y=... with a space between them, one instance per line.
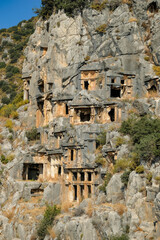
x=115 y=189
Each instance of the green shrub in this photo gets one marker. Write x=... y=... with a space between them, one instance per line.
x=121 y=165
x=87 y=58
x=4 y=56
x=140 y=169
x=100 y=160
x=101 y=138
x=9 y=124
x=3 y=159
x=119 y=141
x=32 y=134
x=157 y=178
x=46 y=222
x=106 y=181
x=121 y=237
x=145 y=136
x=149 y=178
x=101 y=28
x=99 y=6
x=70 y=7
x=156 y=69
x=12 y=69
x=7 y=110
x=125 y=177
x=3 y=30
x=5 y=100
x=2 y=64
x=14 y=115
x=114 y=4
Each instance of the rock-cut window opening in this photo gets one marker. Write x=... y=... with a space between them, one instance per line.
x=86 y=85
x=112 y=114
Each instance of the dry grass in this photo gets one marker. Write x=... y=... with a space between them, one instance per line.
x=90 y=209
x=52 y=233
x=120 y=208
x=9 y=214
x=65 y=206
x=138 y=229
x=133 y=111
x=126 y=1
x=132 y=19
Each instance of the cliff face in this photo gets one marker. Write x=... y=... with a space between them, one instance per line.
x=83 y=76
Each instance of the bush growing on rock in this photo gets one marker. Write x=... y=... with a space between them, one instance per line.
x=125 y=177
x=101 y=28
x=32 y=134
x=145 y=136
x=140 y=169
x=2 y=65
x=101 y=138
x=106 y=181
x=70 y=7
x=48 y=218
x=121 y=237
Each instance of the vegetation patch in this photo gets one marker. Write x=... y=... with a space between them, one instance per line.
x=101 y=28
x=145 y=135
x=32 y=134
x=50 y=213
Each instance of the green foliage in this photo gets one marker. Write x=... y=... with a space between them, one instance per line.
x=87 y=58
x=119 y=141
x=157 y=178
x=2 y=64
x=12 y=69
x=101 y=139
x=7 y=159
x=70 y=7
x=119 y=237
x=7 y=110
x=3 y=30
x=14 y=115
x=145 y=135
x=106 y=181
x=9 y=124
x=121 y=164
x=101 y=28
x=125 y=177
x=156 y=69
x=46 y=222
x=99 y=6
x=140 y=169
x=5 y=100
x=100 y=160
x=149 y=178
x=32 y=134
x=113 y=4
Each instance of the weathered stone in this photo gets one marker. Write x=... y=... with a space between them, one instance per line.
x=115 y=189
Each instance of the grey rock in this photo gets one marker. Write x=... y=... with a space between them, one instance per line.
x=115 y=189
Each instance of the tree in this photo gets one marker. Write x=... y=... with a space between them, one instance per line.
x=70 y=7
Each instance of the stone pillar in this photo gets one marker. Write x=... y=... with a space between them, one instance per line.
x=78 y=193
x=85 y=176
x=78 y=176
x=71 y=116
x=85 y=191
x=26 y=172
x=92 y=114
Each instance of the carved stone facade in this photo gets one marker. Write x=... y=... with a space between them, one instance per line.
x=70 y=123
